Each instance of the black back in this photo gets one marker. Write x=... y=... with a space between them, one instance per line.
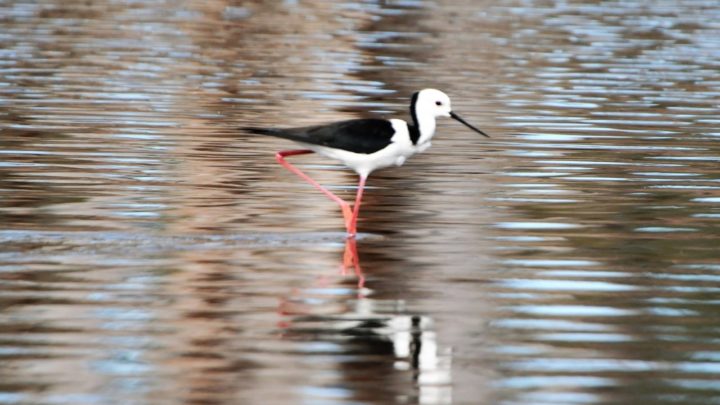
x=360 y=136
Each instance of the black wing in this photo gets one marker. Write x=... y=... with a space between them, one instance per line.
x=359 y=136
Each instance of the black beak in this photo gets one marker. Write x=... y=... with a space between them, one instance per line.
x=467 y=124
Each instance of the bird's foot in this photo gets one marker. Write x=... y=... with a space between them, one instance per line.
x=351 y=229
x=347 y=216
x=351 y=226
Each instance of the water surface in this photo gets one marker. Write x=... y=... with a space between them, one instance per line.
x=151 y=253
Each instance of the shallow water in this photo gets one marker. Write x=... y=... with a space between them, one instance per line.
x=150 y=253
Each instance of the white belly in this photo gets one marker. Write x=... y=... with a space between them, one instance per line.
x=395 y=154
x=363 y=163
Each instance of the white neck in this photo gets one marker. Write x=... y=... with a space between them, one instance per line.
x=426 y=125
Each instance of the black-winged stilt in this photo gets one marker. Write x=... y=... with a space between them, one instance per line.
x=366 y=145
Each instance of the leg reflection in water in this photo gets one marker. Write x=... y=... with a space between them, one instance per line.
x=348 y=338
x=329 y=293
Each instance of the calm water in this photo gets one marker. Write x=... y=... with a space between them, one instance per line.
x=150 y=253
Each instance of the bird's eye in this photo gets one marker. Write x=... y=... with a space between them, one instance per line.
x=438 y=103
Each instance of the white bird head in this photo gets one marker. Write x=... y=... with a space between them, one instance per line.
x=435 y=103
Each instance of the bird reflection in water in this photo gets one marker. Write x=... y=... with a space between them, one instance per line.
x=371 y=338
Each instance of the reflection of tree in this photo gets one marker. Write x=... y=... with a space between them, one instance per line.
x=28 y=198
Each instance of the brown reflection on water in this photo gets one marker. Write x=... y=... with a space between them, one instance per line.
x=152 y=253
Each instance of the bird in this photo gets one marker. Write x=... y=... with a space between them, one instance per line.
x=367 y=144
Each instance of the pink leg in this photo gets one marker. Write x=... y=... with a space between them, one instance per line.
x=347 y=213
x=351 y=259
x=351 y=245
x=352 y=229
